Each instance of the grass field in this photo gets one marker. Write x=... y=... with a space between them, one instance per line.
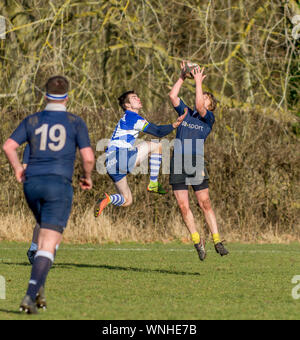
x=158 y=282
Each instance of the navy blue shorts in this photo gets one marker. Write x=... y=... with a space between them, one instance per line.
x=120 y=162
x=198 y=187
x=50 y=200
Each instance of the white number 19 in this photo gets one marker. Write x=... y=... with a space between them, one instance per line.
x=60 y=139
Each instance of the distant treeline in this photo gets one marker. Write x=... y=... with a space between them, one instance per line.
x=106 y=47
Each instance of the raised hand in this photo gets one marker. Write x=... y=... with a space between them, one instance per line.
x=183 y=70
x=198 y=74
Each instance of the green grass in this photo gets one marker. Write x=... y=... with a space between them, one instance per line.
x=156 y=281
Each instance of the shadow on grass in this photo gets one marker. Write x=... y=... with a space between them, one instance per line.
x=10 y=311
x=133 y=269
x=109 y=267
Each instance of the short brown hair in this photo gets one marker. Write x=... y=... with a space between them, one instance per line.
x=123 y=99
x=57 y=85
x=213 y=101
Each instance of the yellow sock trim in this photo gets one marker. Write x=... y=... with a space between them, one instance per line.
x=195 y=237
x=216 y=238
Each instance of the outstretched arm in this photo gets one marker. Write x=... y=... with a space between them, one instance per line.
x=199 y=77
x=163 y=130
x=173 y=95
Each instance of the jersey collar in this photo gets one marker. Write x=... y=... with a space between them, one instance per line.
x=55 y=107
x=129 y=111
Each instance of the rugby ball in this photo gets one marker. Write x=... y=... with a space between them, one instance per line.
x=188 y=68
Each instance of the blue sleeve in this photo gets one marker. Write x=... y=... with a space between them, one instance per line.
x=26 y=154
x=82 y=135
x=20 y=133
x=209 y=118
x=180 y=108
x=158 y=130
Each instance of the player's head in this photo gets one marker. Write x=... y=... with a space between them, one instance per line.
x=57 y=88
x=210 y=102
x=130 y=101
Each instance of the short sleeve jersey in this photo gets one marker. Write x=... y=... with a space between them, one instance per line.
x=53 y=137
x=194 y=127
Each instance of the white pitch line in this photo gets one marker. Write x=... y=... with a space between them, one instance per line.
x=165 y=250
x=180 y=250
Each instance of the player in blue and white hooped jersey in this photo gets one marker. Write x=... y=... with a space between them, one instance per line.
x=122 y=156
x=53 y=136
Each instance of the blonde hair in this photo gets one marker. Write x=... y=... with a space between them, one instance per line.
x=213 y=101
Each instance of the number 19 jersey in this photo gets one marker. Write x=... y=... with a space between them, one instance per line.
x=53 y=137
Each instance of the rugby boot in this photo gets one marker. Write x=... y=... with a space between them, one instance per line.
x=157 y=188
x=40 y=299
x=101 y=204
x=201 y=250
x=220 y=249
x=28 y=306
x=31 y=255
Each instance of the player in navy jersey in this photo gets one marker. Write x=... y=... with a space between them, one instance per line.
x=53 y=136
x=195 y=128
x=122 y=156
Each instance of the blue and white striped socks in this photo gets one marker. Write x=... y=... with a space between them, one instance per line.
x=117 y=199
x=155 y=161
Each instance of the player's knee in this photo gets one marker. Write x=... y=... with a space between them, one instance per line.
x=158 y=148
x=48 y=239
x=184 y=208
x=205 y=205
x=45 y=245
